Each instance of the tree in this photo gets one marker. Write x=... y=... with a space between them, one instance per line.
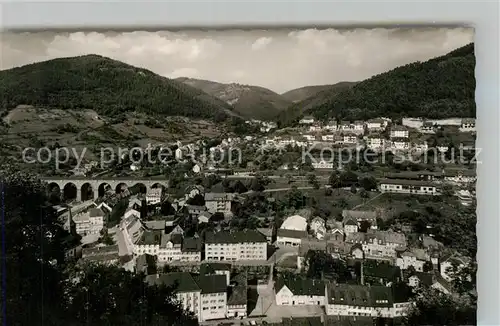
x=363 y=194
x=435 y=308
x=334 y=179
x=368 y=183
x=364 y=226
x=313 y=180
x=120 y=297
x=354 y=189
x=56 y=292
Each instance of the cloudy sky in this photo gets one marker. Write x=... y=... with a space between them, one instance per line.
x=280 y=60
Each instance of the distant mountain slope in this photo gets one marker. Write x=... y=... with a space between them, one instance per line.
x=300 y=94
x=248 y=101
x=438 y=88
x=107 y=86
x=300 y=108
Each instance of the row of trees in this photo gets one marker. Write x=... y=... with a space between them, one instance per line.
x=41 y=288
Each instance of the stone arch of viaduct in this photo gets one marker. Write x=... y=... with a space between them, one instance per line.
x=95 y=184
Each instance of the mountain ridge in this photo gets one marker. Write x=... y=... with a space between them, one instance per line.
x=441 y=87
x=250 y=101
x=108 y=86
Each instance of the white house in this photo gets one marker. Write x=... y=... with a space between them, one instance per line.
x=153 y=196
x=179 y=154
x=401 y=144
x=358 y=127
x=428 y=128
x=309 y=138
x=460 y=176
x=89 y=222
x=378 y=244
x=331 y=125
x=315 y=127
x=322 y=165
x=350 y=139
x=403 y=186
x=369 y=301
x=448 y=261
x=376 y=124
x=399 y=131
x=235 y=245
x=468 y=125
x=318 y=227
x=307 y=120
x=328 y=138
x=219 y=202
x=350 y=226
x=196 y=168
x=299 y=292
x=375 y=142
x=414 y=257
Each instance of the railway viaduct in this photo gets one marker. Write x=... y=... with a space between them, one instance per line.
x=94 y=188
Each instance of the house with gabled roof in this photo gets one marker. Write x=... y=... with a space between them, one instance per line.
x=299 y=291
x=367 y=301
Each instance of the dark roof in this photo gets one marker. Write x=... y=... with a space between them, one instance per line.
x=359 y=295
x=291 y=233
x=212 y=283
x=191 y=245
x=234 y=236
x=359 y=215
x=181 y=281
x=95 y=212
x=301 y=286
x=238 y=290
x=211 y=268
x=150 y=237
x=373 y=268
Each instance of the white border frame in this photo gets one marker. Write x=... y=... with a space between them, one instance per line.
x=483 y=15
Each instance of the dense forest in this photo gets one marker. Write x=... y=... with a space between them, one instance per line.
x=107 y=86
x=43 y=289
x=439 y=88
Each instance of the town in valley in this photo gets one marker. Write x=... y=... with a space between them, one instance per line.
x=347 y=204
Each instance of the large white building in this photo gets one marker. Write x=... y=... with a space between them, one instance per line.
x=369 y=301
x=292 y=231
x=235 y=245
x=299 y=292
x=89 y=222
x=294 y=222
x=416 y=187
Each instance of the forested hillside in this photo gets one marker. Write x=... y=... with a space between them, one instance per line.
x=107 y=86
x=439 y=88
